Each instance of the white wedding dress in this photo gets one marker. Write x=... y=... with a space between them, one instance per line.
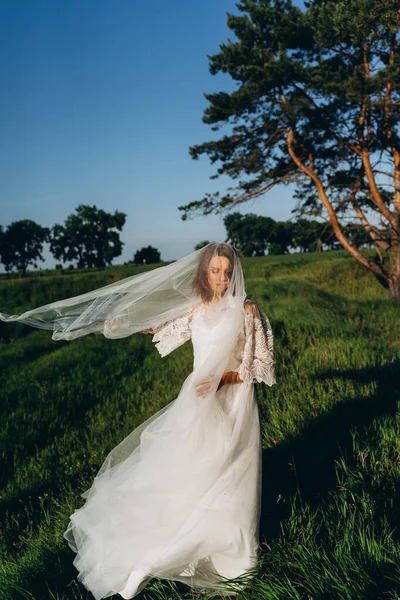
x=179 y=498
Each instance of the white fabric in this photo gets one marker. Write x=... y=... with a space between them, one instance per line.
x=179 y=498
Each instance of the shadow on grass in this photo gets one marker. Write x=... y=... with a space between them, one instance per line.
x=306 y=464
x=31 y=353
x=71 y=411
x=19 y=513
x=59 y=580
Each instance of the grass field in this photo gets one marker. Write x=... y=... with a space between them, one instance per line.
x=330 y=428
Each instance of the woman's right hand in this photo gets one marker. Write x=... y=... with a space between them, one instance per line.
x=203 y=386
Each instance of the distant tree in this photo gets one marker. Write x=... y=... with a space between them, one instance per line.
x=88 y=237
x=250 y=234
x=281 y=238
x=306 y=232
x=201 y=245
x=328 y=237
x=21 y=245
x=274 y=249
x=314 y=235
x=358 y=236
x=316 y=102
x=148 y=255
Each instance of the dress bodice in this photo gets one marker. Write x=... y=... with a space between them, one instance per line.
x=206 y=330
x=252 y=356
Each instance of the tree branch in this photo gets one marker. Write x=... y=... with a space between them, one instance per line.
x=378 y=270
x=388 y=94
x=389 y=133
x=374 y=235
x=375 y=194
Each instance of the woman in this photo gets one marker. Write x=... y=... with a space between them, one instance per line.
x=179 y=498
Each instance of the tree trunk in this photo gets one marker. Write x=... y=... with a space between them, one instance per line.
x=394 y=267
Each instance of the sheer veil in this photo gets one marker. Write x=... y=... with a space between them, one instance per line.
x=140 y=302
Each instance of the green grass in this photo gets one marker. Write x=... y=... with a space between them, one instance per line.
x=330 y=431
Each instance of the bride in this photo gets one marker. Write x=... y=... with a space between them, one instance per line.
x=179 y=497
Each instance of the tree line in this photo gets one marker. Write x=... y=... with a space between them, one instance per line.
x=88 y=238
x=91 y=238
x=255 y=235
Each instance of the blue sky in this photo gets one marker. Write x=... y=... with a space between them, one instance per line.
x=100 y=102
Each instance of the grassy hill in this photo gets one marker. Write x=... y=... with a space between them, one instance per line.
x=330 y=430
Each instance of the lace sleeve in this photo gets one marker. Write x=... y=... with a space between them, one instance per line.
x=173 y=334
x=258 y=354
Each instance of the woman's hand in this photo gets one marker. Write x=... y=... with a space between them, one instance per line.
x=203 y=386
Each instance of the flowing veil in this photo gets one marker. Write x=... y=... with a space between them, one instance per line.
x=136 y=303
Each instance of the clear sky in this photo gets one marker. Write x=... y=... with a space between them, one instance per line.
x=100 y=102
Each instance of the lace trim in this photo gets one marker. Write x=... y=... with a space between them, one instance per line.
x=258 y=359
x=173 y=334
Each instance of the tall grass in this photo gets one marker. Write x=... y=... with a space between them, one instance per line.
x=330 y=431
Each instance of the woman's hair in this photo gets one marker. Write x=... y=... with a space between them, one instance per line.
x=200 y=282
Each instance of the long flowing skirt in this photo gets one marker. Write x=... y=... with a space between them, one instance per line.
x=178 y=498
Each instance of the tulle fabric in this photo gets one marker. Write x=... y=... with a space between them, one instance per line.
x=179 y=498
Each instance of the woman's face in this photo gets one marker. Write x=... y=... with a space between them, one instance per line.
x=219 y=274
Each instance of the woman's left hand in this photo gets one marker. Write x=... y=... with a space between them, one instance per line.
x=203 y=386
